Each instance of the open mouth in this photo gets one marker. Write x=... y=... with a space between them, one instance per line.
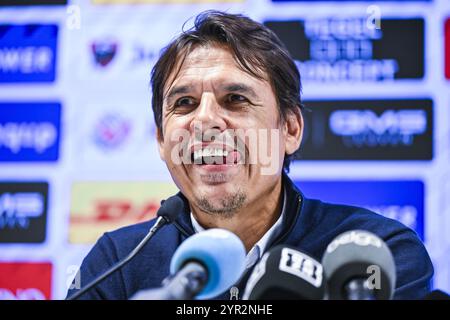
x=215 y=156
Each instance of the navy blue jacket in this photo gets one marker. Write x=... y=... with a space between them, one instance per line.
x=309 y=225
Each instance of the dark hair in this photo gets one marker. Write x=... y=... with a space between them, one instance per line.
x=256 y=49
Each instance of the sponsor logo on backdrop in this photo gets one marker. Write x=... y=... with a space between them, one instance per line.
x=97 y=207
x=143 y=54
x=159 y=1
x=368 y=130
x=25 y=281
x=447 y=48
x=32 y=2
x=111 y=136
x=399 y=200
x=134 y=54
x=28 y=52
x=348 y=0
x=104 y=52
x=345 y=49
x=111 y=131
x=23 y=212
x=29 y=131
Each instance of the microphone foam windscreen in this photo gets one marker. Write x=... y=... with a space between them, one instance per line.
x=288 y=274
x=359 y=254
x=220 y=251
x=171 y=208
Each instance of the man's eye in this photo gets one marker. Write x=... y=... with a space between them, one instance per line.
x=185 y=101
x=234 y=98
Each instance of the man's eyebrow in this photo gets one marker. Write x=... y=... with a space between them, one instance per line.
x=240 y=87
x=177 y=90
x=231 y=87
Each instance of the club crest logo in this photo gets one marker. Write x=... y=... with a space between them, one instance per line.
x=104 y=52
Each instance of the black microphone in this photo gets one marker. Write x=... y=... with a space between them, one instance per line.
x=167 y=213
x=358 y=265
x=288 y=274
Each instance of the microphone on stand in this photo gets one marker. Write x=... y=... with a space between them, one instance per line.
x=359 y=266
x=286 y=273
x=204 y=266
x=167 y=213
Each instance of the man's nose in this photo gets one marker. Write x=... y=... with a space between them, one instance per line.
x=209 y=113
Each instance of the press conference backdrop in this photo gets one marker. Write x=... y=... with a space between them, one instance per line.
x=77 y=140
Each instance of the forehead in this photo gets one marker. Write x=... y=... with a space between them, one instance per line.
x=214 y=63
x=207 y=56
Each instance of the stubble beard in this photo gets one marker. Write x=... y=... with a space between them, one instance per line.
x=229 y=205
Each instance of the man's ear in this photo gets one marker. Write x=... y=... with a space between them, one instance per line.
x=160 y=139
x=294 y=130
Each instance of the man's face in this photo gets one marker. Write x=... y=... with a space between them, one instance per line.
x=212 y=96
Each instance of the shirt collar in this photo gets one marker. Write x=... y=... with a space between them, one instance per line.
x=258 y=249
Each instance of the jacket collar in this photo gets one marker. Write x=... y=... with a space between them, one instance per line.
x=294 y=203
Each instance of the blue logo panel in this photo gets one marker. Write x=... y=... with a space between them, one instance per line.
x=28 y=53
x=335 y=49
x=399 y=200
x=337 y=1
x=391 y=129
x=29 y=131
x=23 y=211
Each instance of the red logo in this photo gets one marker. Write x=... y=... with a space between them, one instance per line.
x=117 y=210
x=447 y=48
x=25 y=281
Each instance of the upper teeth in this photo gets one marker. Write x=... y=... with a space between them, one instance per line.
x=209 y=152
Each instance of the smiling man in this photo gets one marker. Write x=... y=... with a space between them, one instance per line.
x=226 y=102
x=211 y=91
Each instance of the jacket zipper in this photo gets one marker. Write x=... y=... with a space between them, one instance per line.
x=284 y=235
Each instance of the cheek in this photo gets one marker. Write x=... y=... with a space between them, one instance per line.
x=176 y=138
